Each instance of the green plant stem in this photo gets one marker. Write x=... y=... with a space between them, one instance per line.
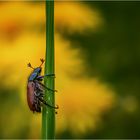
x=48 y=114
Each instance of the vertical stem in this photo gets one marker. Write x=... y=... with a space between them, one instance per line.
x=48 y=114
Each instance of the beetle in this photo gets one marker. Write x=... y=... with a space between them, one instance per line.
x=35 y=89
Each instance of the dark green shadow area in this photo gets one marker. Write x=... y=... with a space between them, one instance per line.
x=113 y=55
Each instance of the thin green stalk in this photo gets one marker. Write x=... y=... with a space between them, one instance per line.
x=48 y=114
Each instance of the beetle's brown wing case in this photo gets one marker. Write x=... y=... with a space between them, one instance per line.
x=30 y=95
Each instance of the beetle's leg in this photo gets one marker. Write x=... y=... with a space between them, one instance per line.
x=37 y=94
x=38 y=107
x=37 y=104
x=44 y=102
x=46 y=87
x=39 y=88
x=46 y=75
x=40 y=95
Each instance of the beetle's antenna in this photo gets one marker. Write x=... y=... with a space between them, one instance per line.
x=42 y=60
x=29 y=65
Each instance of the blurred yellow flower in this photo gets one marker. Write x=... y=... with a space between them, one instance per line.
x=81 y=100
x=76 y=17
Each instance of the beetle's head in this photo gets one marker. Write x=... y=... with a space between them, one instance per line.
x=37 y=70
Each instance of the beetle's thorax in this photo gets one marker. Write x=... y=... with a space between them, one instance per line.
x=36 y=72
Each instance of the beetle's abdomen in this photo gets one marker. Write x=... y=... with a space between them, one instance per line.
x=30 y=95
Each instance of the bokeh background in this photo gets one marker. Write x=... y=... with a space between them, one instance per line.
x=97 y=55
